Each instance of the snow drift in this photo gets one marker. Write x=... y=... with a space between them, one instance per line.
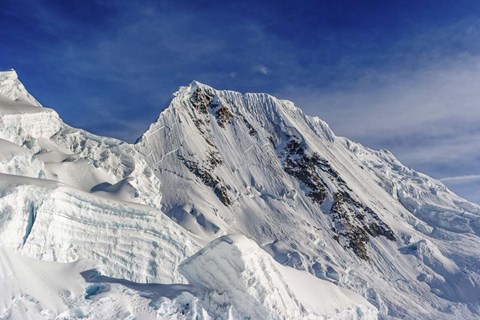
x=237 y=273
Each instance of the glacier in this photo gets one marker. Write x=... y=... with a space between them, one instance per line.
x=229 y=206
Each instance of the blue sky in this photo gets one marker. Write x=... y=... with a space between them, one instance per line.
x=402 y=75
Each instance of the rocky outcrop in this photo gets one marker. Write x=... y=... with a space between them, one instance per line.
x=208 y=179
x=304 y=168
x=353 y=221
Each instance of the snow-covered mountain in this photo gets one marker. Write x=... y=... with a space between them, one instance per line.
x=211 y=211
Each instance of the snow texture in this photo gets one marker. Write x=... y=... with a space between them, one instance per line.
x=288 y=220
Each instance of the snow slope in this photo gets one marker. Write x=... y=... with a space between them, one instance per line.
x=119 y=224
x=258 y=287
x=66 y=194
x=33 y=289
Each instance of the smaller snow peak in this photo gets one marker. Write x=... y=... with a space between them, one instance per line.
x=257 y=287
x=13 y=89
x=8 y=75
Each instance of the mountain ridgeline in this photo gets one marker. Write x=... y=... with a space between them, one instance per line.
x=256 y=188
x=257 y=165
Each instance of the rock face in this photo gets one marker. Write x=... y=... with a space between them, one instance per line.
x=216 y=163
x=315 y=201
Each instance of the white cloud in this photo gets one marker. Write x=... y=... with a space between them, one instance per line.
x=461 y=179
x=264 y=70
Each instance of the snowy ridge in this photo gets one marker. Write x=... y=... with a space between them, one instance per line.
x=427 y=198
x=258 y=287
x=127 y=219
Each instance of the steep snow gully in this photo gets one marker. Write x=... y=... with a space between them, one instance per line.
x=230 y=206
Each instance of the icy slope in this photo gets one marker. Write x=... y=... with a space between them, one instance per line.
x=49 y=221
x=427 y=198
x=237 y=273
x=256 y=165
x=33 y=289
x=66 y=194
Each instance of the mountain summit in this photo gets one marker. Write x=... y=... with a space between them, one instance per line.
x=238 y=206
x=12 y=88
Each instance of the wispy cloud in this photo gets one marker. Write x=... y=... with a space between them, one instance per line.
x=461 y=179
x=264 y=70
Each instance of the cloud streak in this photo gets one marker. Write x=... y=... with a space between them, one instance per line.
x=461 y=179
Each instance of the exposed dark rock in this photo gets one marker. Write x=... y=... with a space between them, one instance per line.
x=223 y=116
x=303 y=167
x=356 y=228
x=199 y=123
x=200 y=99
x=209 y=180
x=251 y=129
x=379 y=228
x=214 y=159
x=203 y=101
x=271 y=141
x=353 y=221
x=351 y=235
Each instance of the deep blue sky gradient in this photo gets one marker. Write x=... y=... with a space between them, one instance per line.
x=111 y=66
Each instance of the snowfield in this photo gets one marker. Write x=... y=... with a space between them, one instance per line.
x=230 y=206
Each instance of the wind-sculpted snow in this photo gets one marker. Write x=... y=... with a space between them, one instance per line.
x=22 y=124
x=238 y=274
x=131 y=178
x=33 y=289
x=428 y=199
x=49 y=221
x=20 y=161
x=82 y=160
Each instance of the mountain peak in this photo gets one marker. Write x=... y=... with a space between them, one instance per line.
x=13 y=89
x=196 y=84
x=9 y=74
x=190 y=88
